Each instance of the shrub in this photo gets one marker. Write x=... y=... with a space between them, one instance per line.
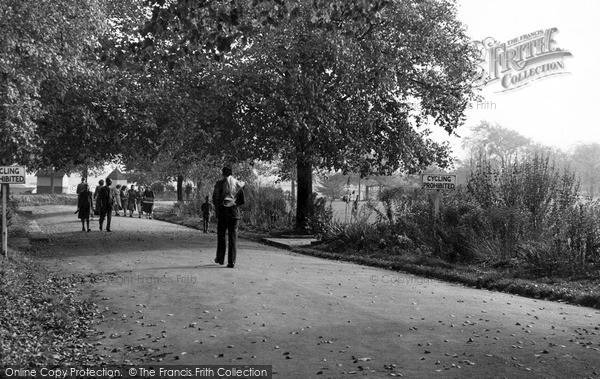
x=530 y=201
x=321 y=222
x=542 y=258
x=266 y=208
x=190 y=208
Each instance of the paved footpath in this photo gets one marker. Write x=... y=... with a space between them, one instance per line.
x=164 y=300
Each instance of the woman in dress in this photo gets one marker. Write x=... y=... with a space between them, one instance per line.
x=117 y=205
x=85 y=207
x=131 y=200
x=148 y=202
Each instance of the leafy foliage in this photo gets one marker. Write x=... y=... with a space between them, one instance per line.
x=326 y=96
x=499 y=145
x=330 y=84
x=39 y=39
x=266 y=208
x=322 y=217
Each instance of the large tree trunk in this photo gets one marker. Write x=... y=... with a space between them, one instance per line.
x=293 y=194
x=180 y=188
x=292 y=202
x=199 y=189
x=304 y=207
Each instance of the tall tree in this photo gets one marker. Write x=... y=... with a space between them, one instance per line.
x=328 y=84
x=341 y=94
x=497 y=144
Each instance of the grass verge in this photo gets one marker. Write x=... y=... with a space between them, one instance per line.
x=54 y=199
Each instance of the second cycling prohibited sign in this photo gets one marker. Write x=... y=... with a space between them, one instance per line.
x=439 y=182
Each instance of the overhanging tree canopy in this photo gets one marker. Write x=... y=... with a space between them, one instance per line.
x=351 y=95
x=327 y=84
x=39 y=39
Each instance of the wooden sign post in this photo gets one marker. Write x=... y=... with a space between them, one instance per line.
x=8 y=175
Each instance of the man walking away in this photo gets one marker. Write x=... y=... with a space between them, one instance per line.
x=97 y=198
x=228 y=195
x=106 y=199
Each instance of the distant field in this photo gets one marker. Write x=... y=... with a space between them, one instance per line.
x=343 y=211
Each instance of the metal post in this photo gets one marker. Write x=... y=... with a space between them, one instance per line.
x=4 y=222
x=436 y=205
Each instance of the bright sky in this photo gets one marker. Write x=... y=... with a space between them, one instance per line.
x=559 y=111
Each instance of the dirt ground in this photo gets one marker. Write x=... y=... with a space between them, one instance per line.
x=164 y=300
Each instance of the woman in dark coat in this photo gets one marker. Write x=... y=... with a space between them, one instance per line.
x=85 y=207
x=148 y=202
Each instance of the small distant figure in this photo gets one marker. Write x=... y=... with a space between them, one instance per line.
x=117 y=196
x=228 y=195
x=207 y=209
x=148 y=202
x=131 y=200
x=85 y=207
x=138 y=200
x=107 y=201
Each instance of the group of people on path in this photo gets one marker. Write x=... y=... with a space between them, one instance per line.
x=105 y=199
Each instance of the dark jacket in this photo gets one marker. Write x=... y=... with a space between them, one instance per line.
x=105 y=198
